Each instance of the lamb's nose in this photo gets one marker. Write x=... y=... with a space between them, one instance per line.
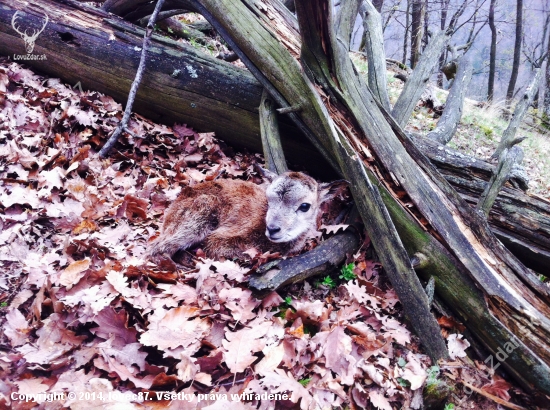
x=272 y=231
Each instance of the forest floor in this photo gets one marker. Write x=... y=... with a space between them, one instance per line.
x=82 y=312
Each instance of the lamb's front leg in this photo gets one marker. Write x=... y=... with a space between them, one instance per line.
x=224 y=243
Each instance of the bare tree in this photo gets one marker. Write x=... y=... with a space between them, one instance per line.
x=493 y=52
x=536 y=53
x=517 y=52
x=546 y=104
x=406 y=36
x=378 y=4
x=417 y=19
x=442 y=24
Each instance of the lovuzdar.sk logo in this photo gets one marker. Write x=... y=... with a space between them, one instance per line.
x=29 y=34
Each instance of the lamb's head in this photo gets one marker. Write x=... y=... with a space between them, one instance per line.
x=294 y=201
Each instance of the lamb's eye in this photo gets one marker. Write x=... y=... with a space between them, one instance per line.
x=304 y=207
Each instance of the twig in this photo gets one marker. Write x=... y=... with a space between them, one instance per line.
x=162 y=16
x=494 y=398
x=104 y=152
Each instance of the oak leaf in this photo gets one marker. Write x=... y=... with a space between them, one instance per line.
x=175 y=328
x=457 y=345
x=379 y=401
x=72 y=274
x=16 y=327
x=240 y=346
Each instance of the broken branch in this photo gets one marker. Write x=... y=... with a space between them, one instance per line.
x=507 y=159
x=519 y=113
x=271 y=139
x=135 y=85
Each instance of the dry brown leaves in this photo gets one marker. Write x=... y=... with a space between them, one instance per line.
x=83 y=313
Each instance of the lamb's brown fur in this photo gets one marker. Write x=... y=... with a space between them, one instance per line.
x=229 y=216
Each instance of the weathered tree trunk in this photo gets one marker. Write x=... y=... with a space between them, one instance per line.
x=417 y=81
x=448 y=123
x=325 y=47
x=374 y=48
x=493 y=52
x=546 y=104
x=517 y=52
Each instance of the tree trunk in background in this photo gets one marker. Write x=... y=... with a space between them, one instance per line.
x=417 y=29
x=290 y=5
x=546 y=104
x=378 y=4
x=517 y=52
x=492 y=53
x=443 y=21
x=425 y=22
x=406 y=35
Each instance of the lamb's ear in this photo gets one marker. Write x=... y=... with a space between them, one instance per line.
x=329 y=190
x=266 y=173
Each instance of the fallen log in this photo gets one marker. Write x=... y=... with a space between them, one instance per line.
x=322 y=260
x=181 y=83
x=520 y=221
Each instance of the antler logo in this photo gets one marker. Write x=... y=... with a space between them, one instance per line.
x=29 y=39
